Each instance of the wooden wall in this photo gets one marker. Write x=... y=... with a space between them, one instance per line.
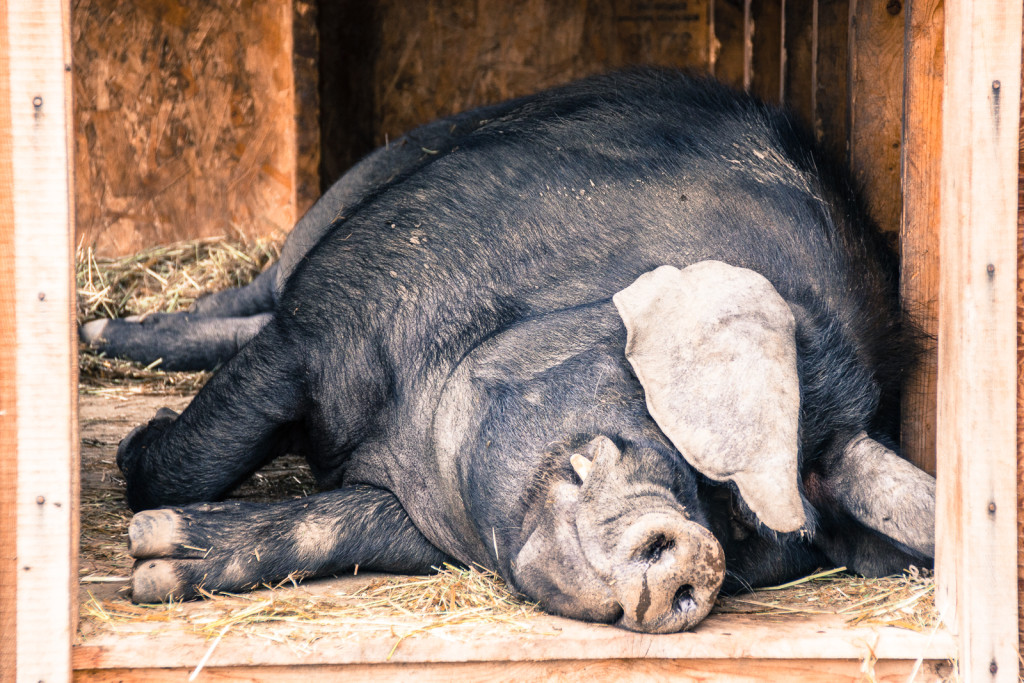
x=192 y=119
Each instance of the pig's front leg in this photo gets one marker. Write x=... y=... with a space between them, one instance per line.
x=235 y=546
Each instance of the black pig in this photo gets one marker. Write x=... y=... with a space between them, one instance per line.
x=619 y=342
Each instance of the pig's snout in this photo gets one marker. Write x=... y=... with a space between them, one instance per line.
x=668 y=574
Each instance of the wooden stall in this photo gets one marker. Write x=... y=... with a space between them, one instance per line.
x=227 y=117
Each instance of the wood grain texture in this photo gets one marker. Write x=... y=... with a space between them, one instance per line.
x=766 y=48
x=306 y=104
x=1020 y=371
x=436 y=57
x=8 y=377
x=185 y=122
x=831 y=78
x=977 y=464
x=45 y=365
x=541 y=638
x=729 y=36
x=876 y=107
x=798 y=57
x=919 y=229
x=747 y=671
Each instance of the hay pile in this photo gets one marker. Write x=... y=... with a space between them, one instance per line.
x=161 y=279
x=394 y=606
x=906 y=601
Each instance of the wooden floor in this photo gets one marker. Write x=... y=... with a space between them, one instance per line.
x=173 y=645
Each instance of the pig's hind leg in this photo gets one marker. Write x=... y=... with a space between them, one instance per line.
x=207 y=335
x=239 y=546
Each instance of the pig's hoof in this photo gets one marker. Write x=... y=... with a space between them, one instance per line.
x=134 y=446
x=156 y=581
x=92 y=332
x=154 y=533
x=182 y=551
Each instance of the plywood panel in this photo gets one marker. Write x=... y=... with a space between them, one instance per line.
x=876 y=106
x=977 y=463
x=919 y=232
x=185 y=120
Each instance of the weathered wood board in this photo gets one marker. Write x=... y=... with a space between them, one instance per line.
x=185 y=120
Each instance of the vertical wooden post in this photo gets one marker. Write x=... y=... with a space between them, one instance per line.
x=40 y=289
x=919 y=228
x=8 y=399
x=977 y=516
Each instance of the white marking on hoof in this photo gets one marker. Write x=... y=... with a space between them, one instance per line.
x=92 y=331
x=155 y=581
x=154 y=533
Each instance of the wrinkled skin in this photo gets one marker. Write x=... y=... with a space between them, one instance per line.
x=448 y=357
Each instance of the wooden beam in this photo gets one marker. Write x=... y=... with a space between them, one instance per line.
x=977 y=497
x=45 y=370
x=919 y=228
x=8 y=385
x=796 y=671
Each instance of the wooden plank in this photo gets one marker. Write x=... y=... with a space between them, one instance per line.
x=831 y=76
x=977 y=497
x=305 y=66
x=1020 y=370
x=147 y=644
x=731 y=63
x=919 y=229
x=185 y=120
x=799 y=57
x=766 y=48
x=750 y=670
x=46 y=368
x=8 y=379
x=876 y=106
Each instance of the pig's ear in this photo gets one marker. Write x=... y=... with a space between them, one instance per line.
x=714 y=348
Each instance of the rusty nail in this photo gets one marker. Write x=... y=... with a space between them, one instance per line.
x=990 y=268
x=996 y=85
x=42 y=296
x=991 y=508
x=40 y=500
x=993 y=667
x=37 y=101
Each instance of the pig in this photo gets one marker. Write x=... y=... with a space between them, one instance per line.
x=627 y=342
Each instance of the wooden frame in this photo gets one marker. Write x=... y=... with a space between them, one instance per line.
x=977 y=537
x=41 y=471
x=977 y=383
